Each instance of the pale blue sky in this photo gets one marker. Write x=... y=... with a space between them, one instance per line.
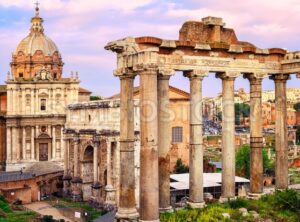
x=81 y=28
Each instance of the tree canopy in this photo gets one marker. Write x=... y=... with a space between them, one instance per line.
x=180 y=167
x=241 y=109
x=242 y=163
x=297 y=106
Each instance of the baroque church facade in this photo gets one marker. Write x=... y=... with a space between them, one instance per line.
x=37 y=95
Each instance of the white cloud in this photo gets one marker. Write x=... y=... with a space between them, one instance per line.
x=79 y=6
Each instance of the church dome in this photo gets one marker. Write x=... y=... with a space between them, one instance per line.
x=37 y=50
x=36 y=40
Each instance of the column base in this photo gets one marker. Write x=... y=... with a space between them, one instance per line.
x=196 y=205
x=254 y=196
x=166 y=210
x=110 y=195
x=226 y=199
x=126 y=214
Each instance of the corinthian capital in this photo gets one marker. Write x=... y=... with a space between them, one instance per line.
x=124 y=72
x=280 y=77
x=228 y=75
x=196 y=73
x=255 y=78
x=165 y=73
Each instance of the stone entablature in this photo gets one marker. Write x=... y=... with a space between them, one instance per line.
x=98 y=115
x=227 y=54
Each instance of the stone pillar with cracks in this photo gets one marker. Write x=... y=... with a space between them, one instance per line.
x=149 y=182
x=164 y=127
x=256 y=139
x=127 y=206
x=228 y=136
x=76 y=180
x=96 y=184
x=196 y=139
x=281 y=142
x=67 y=177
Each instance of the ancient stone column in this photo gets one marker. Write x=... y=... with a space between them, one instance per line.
x=228 y=136
x=196 y=139
x=109 y=190
x=256 y=139
x=66 y=159
x=24 y=143
x=32 y=144
x=95 y=164
x=76 y=180
x=127 y=207
x=281 y=142
x=164 y=139
x=149 y=190
x=62 y=144
x=96 y=184
x=53 y=142
x=67 y=177
x=8 y=144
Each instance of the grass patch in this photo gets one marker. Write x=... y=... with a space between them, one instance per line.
x=8 y=215
x=283 y=206
x=68 y=203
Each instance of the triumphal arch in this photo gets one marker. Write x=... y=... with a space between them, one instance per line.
x=203 y=47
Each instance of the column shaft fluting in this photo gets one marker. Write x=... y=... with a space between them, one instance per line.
x=281 y=142
x=164 y=142
x=228 y=137
x=127 y=204
x=149 y=191
x=196 y=141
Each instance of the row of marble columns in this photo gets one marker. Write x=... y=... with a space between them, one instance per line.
x=17 y=148
x=154 y=157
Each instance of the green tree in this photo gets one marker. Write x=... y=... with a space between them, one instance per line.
x=180 y=167
x=297 y=106
x=219 y=116
x=94 y=98
x=242 y=163
x=241 y=109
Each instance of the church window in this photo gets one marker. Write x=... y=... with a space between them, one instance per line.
x=43 y=104
x=55 y=75
x=21 y=75
x=177 y=134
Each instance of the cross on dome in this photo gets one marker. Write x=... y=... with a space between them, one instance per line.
x=37 y=8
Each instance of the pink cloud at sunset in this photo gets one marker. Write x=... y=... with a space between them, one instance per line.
x=81 y=28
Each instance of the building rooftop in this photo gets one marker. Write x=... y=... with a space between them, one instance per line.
x=209 y=180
